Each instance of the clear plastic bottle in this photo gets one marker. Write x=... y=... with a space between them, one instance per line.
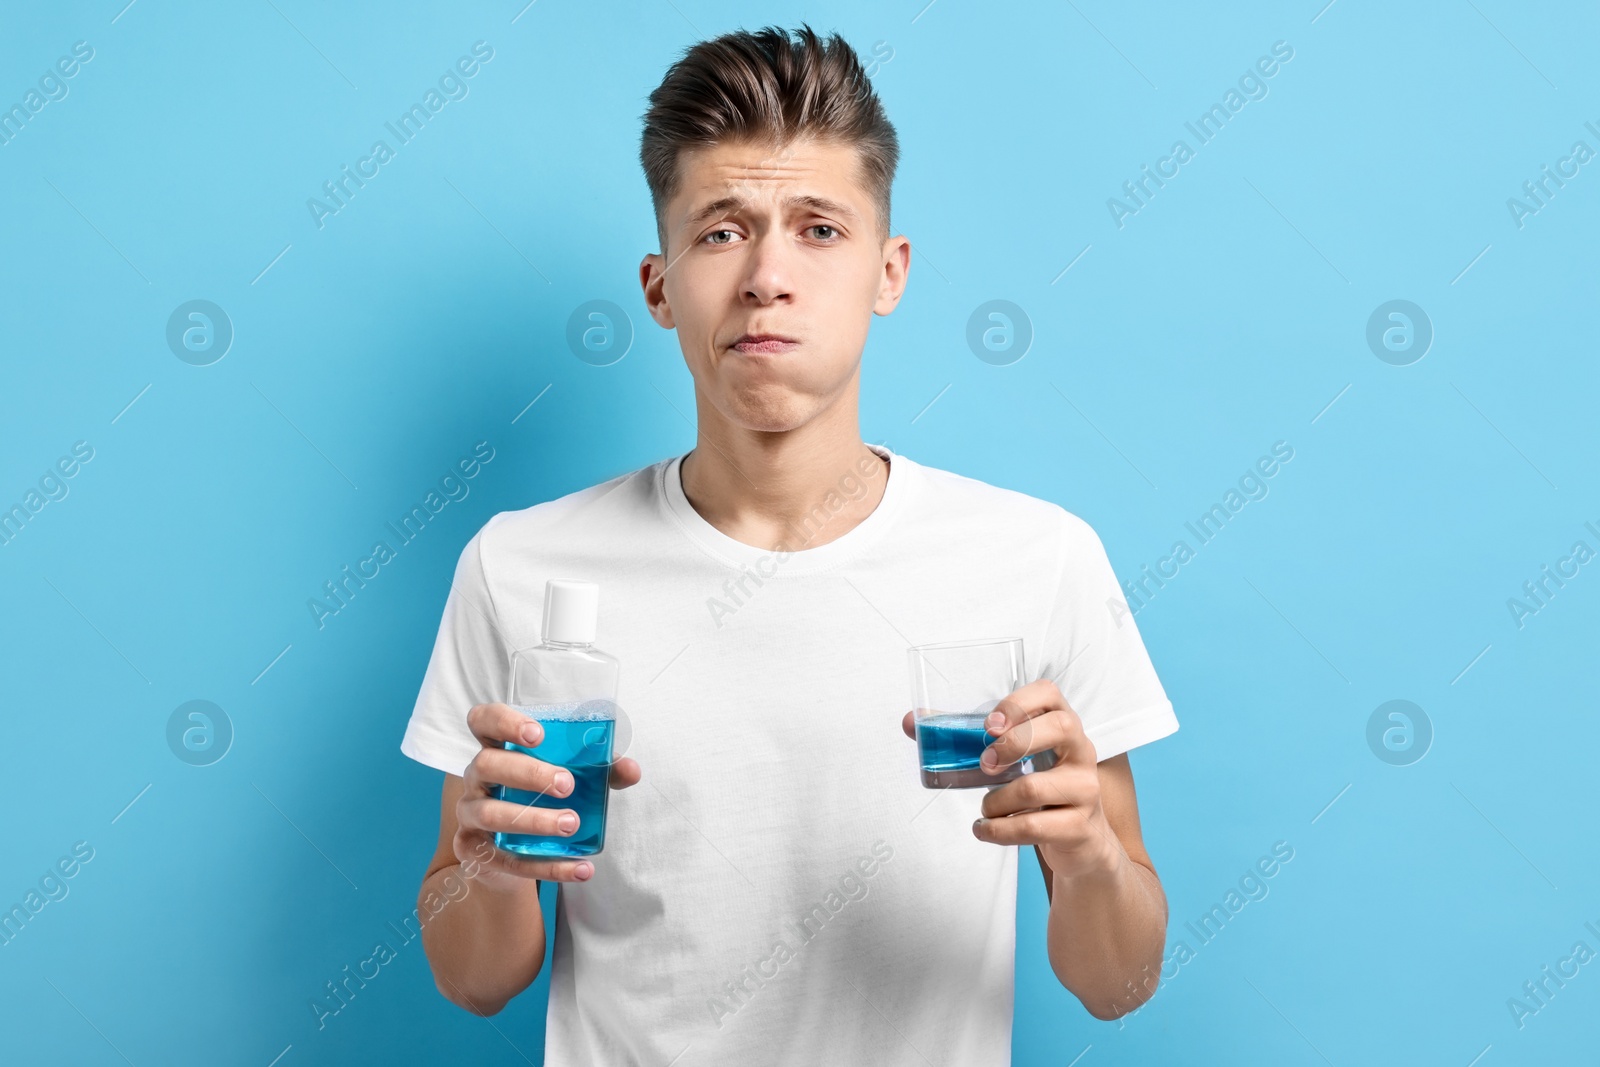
x=570 y=687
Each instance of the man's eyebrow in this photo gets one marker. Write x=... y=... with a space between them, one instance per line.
x=820 y=204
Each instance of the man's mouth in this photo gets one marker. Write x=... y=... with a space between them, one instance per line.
x=753 y=344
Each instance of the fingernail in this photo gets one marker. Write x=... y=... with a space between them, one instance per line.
x=978 y=825
x=531 y=732
x=567 y=823
x=989 y=760
x=563 y=783
x=995 y=720
x=584 y=870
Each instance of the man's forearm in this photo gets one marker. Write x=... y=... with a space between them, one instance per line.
x=485 y=945
x=1105 y=935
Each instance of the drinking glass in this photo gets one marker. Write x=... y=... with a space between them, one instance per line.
x=954 y=687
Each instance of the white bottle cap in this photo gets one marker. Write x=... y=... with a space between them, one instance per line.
x=571 y=610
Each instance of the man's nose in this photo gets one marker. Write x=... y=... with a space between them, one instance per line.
x=767 y=277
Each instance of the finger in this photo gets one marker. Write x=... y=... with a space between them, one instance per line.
x=909 y=725
x=473 y=849
x=1064 y=786
x=1065 y=827
x=510 y=817
x=493 y=724
x=625 y=772
x=1060 y=731
x=530 y=867
x=1016 y=711
x=518 y=770
x=1035 y=698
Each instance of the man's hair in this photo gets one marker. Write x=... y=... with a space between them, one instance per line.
x=767 y=88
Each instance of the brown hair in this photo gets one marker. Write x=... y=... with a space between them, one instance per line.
x=765 y=87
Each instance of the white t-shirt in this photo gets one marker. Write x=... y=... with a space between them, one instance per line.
x=780 y=887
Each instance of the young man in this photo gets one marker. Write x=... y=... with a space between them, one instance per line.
x=777 y=886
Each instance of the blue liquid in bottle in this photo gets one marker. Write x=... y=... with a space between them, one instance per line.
x=952 y=742
x=582 y=744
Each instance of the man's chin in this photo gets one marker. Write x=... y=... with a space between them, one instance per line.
x=768 y=410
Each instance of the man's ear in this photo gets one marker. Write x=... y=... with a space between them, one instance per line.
x=896 y=270
x=653 y=280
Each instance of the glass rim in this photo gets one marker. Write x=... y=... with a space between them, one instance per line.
x=979 y=643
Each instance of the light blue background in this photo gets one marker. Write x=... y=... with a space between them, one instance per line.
x=1228 y=314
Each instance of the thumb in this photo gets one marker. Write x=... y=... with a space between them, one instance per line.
x=625 y=772
x=908 y=724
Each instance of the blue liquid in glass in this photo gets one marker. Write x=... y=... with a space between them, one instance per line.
x=583 y=747
x=952 y=742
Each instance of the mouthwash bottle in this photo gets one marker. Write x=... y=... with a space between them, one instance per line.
x=570 y=687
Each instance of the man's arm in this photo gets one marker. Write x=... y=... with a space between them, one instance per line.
x=487 y=943
x=1108 y=914
x=1107 y=930
x=483 y=929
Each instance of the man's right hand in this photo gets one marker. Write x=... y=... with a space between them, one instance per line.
x=479 y=816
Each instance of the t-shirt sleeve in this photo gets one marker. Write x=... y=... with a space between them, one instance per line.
x=469 y=666
x=1094 y=654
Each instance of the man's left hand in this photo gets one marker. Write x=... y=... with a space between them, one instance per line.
x=1056 y=809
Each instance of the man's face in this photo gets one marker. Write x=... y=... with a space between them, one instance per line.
x=778 y=241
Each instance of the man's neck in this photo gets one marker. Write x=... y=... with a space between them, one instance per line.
x=799 y=489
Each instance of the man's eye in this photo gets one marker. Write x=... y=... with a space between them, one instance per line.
x=714 y=233
x=831 y=231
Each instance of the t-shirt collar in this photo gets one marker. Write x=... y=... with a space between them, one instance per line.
x=772 y=563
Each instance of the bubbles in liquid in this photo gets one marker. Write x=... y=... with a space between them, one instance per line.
x=570 y=711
